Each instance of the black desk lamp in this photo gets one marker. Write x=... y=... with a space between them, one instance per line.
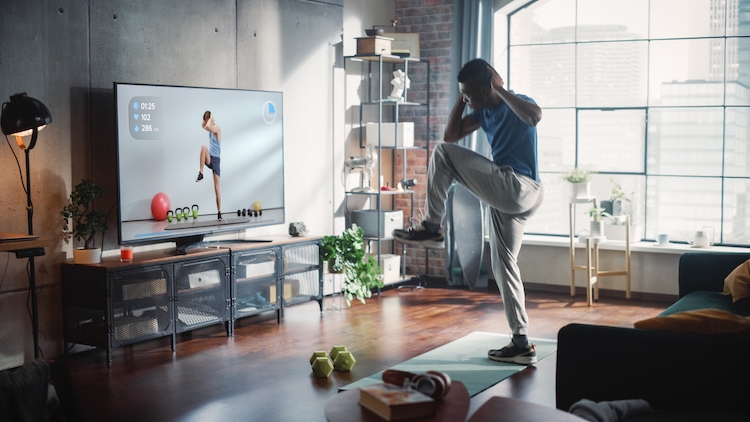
x=24 y=116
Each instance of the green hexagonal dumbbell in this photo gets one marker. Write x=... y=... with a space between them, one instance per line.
x=318 y=354
x=322 y=367
x=335 y=351
x=344 y=361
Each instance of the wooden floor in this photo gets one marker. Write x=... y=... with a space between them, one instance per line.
x=263 y=372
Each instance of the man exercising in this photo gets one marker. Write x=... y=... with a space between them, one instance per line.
x=210 y=157
x=509 y=184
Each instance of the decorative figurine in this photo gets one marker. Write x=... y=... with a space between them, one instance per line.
x=399 y=82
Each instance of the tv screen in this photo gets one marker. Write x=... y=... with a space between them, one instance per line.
x=167 y=135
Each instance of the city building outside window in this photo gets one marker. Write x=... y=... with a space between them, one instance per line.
x=652 y=95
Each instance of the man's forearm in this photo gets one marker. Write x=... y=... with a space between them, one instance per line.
x=530 y=113
x=455 y=121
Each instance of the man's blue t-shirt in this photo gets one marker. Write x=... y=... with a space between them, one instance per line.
x=214 y=147
x=513 y=142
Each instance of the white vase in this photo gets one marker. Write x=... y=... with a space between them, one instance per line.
x=581 y=190
x=87 y=256
x=597 y=228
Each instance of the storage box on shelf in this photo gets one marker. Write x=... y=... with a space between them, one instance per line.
x=391 y=134
x=374 y=45
x=390 y=267
x=368 y=220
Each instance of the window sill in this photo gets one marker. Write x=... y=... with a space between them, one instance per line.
x=619 y=245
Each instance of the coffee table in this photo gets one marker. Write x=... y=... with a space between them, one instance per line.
x=507 y=409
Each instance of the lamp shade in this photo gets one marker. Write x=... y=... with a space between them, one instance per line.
x=22 y=114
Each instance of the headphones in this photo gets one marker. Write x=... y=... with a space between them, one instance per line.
x=432 y=383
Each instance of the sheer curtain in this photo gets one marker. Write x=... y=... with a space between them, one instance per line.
x=471 y=38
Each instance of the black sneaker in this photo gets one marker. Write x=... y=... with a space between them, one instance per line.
x=421 y=236
x=220 y=217
x=200 y=177
x=513 y=354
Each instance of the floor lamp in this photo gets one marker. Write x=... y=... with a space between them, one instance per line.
x=24 y=116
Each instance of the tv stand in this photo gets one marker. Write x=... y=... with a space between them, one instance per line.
x=161 y=293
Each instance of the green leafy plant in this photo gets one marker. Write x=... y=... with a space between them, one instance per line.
x=618 y=193
x=578 y=176
x=81 y=220
x=346 y=253
x=597 y=213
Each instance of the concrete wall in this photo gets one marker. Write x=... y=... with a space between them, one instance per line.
x=68 y=53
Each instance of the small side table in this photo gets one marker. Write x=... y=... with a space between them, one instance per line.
x=593 y=271
x=30 y=248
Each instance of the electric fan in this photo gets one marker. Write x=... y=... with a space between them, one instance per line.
x=366 y=165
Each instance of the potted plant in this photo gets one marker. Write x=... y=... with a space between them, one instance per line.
x=597 y=225
x=580 y=181
x=616 y=203
x=346 y=254
x=620 y=205
x=83 y=222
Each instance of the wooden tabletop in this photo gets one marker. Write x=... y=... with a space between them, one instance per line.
x=507 y=409
x=23 y=244
x=344 y=407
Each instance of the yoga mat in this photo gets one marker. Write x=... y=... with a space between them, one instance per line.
x=465 y=360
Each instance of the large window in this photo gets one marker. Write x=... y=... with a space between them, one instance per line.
x=653 y=95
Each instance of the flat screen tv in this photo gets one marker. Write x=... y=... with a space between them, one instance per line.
x=167 y=134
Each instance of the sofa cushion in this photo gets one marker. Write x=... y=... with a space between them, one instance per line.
x=737 y=283
x=702 y=321
x=704 y=299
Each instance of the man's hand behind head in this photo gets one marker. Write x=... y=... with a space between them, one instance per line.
x=496 y=80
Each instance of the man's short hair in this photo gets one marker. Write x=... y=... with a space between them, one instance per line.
x=476 y=68
x=206 y=115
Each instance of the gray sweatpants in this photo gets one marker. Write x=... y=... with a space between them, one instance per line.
x=512 y=198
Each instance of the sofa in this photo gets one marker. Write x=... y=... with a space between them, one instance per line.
x=684 y=376
x=38 y=391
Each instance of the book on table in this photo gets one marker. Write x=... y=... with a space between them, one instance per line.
x=392 y=402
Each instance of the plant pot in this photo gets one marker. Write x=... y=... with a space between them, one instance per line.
x=615 y=208
x=87 y=256
x=581 y=190
x=617 y=232
x=330 y=267
x=597 y=228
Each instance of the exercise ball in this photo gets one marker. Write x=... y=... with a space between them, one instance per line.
x=159 y=206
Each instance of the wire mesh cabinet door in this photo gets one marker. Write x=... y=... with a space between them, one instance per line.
x=302 y=274
x=202 y=293
x=140 y=304
x=255 y=285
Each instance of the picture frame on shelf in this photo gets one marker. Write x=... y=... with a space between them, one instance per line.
x=403 y=41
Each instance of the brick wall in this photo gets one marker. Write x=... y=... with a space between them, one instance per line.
x=432 y=20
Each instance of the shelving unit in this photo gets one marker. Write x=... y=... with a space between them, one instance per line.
x=160 y=293
x=375 y=98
